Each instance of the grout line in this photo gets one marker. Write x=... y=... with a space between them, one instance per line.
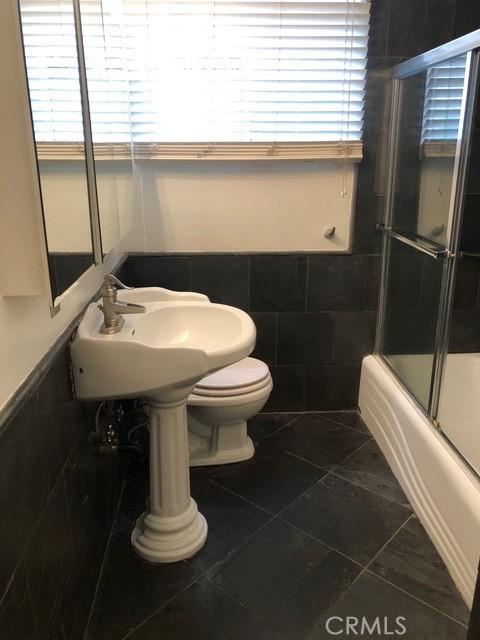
x=102 y=565
x=256 y=615
x=322 y=542
x=23 y=556
x=237 y=495
x=365 y=567
x=378 y=495
x=332 y=421
x=154 y=613
x=411 y=595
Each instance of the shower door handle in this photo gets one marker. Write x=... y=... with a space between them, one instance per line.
x=429 y=247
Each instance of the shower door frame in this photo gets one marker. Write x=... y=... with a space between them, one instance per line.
x=469 y=45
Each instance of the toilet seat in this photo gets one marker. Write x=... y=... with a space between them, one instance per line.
x=218 y=410
x=246 y=376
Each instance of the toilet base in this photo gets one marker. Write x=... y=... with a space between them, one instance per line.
x=223 y=444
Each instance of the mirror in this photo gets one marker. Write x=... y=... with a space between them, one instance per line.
x=52 y=65
x=104 y=40
x=427 y=148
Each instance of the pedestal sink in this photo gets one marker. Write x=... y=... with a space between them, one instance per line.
x=160 y=355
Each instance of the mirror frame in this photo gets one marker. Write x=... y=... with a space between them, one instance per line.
x=98 y=257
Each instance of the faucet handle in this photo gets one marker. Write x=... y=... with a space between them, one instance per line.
x=111 y=280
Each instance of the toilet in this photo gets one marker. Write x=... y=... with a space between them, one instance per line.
x=218 y=409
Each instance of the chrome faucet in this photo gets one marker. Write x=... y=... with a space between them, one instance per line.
x=113 y=311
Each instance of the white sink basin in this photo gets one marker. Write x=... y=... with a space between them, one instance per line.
x=173 y=344
x=160 y=355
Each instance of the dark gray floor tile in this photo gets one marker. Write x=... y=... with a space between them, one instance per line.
x=204 y=612
x=369 y=469
x=379 y=604
x=132 y=589
x=271 y=479
x=286 y=578
x=411 y=562
x=318 y=440
x=348 y=518
x=264 y=424
x=16 y=614
x=350 y=419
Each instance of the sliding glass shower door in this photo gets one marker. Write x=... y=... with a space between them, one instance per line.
x=431 y=123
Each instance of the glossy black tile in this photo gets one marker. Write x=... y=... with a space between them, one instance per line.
x=266 y=345
x=330 y=387
x=16 y=614
x=223 y=278
x=464 y=335
x=470 y=232
x=171 y=272
x=353 y=336
x=373 y=285
x=377 y=42
x=319 y=440
x=264 y=424
x=347 y=518
x=286 y=578
x=369 y=469
x=132 y=589
x=304 y=338
x=407 y=27
x=467 y=17
x=204 y=611
x=50 y=561
x=350 y=419
x=466 y=283
x=271 y=479
x=337 y=283
x=57 y=412
x=388 y=612
x=440 y=23
x=25 y=484
x=411 y=562
x=369 y=211
x=372 y=171
x=288 y=392
x=278 y=282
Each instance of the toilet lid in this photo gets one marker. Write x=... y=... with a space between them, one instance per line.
x=237 y=376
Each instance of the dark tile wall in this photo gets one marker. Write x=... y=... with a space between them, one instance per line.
x=57 y=503
x=314 y=314
x=66 y=268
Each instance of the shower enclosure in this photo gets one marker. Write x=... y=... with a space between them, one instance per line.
x=420 y=391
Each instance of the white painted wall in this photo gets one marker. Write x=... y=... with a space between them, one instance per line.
x=66 y=209
x=244 y=206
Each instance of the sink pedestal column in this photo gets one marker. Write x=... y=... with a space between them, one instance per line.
x=172 y=529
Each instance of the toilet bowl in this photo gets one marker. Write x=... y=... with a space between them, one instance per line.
x=218 y=409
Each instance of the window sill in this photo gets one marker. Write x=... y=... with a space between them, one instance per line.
x=219 y=151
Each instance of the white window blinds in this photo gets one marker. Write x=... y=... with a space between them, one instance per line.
x=52 y=68
x=223 y=77
x=443 y=101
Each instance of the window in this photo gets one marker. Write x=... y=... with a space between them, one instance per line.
x=193 y=78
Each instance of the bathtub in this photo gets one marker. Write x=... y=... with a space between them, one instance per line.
x=441 y=487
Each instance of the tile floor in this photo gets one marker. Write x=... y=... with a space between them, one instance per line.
x=314 y=526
